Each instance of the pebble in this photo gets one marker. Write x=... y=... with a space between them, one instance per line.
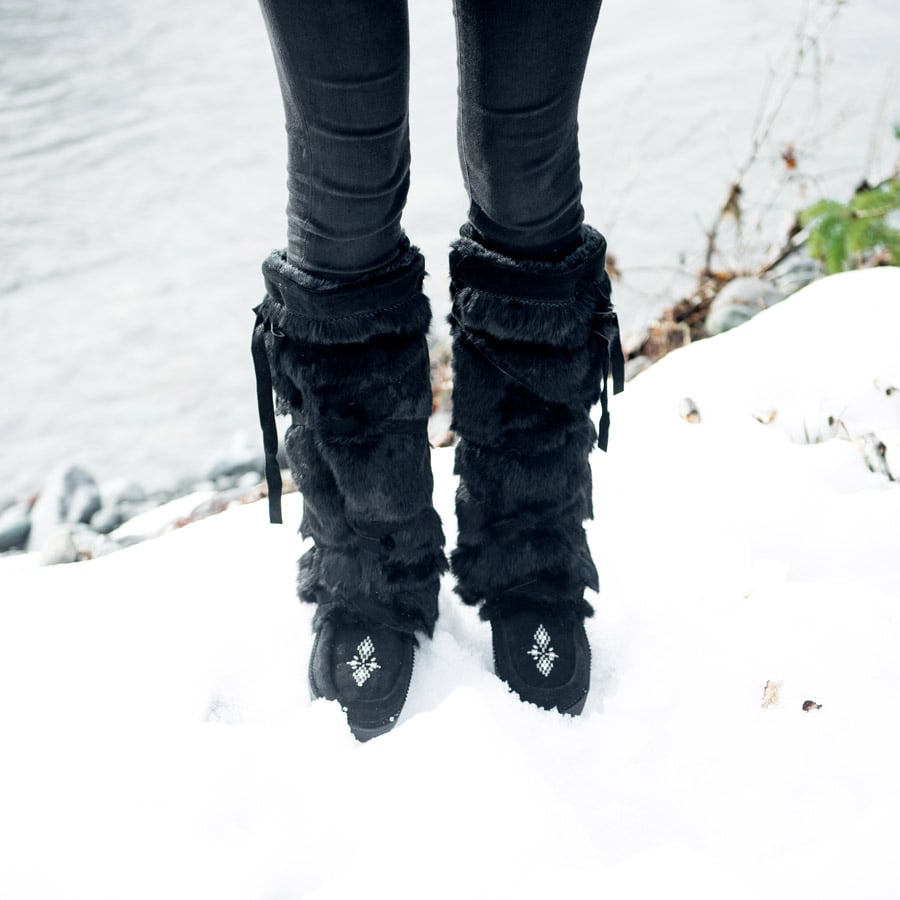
x=122 y=490
x=83 y=537
x=801 y=273
x=245 y=455
x=15 y=525
x=106 y=519
x=74 y=518
x=249 y=480
x=233 y=470
x=216 y=504
x=69 y=496
x=636 y=365
x=740 y=300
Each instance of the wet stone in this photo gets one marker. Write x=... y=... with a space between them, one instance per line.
x=106 y=519
x=740 y=300
x=231 y=470
x=799 y=274
x=104 y=546
x=249 y=480
x=128 y=510
x=15 y=525
x=636 y=365
x=83 y=537
x=70 y=495
x=122 y=490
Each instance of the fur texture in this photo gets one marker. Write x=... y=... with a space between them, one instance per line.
x=528 y=366
x=349 y=362
x=322 y=312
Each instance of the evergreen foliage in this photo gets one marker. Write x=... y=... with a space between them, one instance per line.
x=843 y=235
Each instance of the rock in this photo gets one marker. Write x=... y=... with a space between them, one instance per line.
x=15 y=525
x=59 y=548
x=741 y=299
x=160 y=519
x=128 y=510
x=244 y=456
x=158 y=498
x=83 y=537
x=249 y=480
x=84 y=501
x=121 y=490
x=106 y=519
x=214 y=505
x=211 y=507
x=798 y=275
x=184 y=486
x=636 y=365
x=103 y=545
x=69 y=496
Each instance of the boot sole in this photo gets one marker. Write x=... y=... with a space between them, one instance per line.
x=363 y=733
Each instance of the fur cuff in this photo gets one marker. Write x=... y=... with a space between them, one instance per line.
x=318 y=311
x=551 y=304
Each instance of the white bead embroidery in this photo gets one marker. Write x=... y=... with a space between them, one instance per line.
x=364 y=663
x=541 y=651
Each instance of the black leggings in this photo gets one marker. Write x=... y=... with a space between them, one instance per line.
x=343 y=67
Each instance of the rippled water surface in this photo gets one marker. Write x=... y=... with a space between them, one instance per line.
x=141 y=183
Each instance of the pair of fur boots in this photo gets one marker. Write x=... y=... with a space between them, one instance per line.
x=534 y=347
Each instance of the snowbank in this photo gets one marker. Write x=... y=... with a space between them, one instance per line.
x=158 y=739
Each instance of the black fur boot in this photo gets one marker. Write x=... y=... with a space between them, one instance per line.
x=349 y=363
x=534 y=344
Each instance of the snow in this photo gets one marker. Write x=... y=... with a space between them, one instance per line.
x=159 y=739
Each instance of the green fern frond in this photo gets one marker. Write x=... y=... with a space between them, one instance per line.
x=843 y=234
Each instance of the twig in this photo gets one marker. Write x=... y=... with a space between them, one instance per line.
x=806 y=40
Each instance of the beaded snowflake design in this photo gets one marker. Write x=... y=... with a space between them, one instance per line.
x=541 y=651
x=364 y=662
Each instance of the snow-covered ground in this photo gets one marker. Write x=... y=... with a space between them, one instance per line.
x=158 y=740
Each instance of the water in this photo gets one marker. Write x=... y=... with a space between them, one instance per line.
x=142 y=182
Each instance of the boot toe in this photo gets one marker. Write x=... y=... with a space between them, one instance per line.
x=544 y=657
x=367 y=669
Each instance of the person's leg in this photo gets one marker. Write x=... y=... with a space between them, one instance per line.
x=535 y=340
x=343 y=68
x=341 y=333
x=521 y=66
